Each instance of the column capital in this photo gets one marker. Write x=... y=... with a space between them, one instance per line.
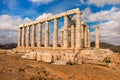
x=96 y=27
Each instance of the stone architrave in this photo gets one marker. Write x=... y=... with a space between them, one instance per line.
x=28 y=36
x=55 y=35
x=47 y=34
x=39 y=44
x=65 y=37
x=33 y=35
x=78 y=31
x=96 y=37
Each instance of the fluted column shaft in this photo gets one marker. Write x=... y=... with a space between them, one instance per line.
x=39 y=44
x=85 y=36
x=19 y=37
x=88 y=31
x=78 y=31
x=61 y=38
x=65 y=38
x=23 y=36
x=55 y=35
x=28 y=36
x=82 y=36
x=47 y=34
x=33 y=35
x=72 y=34
x=96 y=37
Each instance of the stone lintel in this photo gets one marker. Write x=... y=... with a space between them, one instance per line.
x=69 y=12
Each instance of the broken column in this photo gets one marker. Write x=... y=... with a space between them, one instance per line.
x=96 y=37
x=88 y=32
x=85 y=37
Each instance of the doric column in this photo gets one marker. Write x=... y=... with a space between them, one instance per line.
x=55 y=35
x=39 y=44
x=33 y=35
x=96 y=37
x=78 y=31
x=23 y=36
x=28 y=36
x=82 y=34
x=85 y=37
x=61 y=38
x=19 y=37
x=88 y=32
x=72 y=34
x=65 y=38
x=47 y=34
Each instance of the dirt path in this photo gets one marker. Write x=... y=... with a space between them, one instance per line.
x=15 y=68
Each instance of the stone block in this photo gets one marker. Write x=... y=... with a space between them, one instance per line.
x=61 y=62
x=39 y=56
x=47 y=57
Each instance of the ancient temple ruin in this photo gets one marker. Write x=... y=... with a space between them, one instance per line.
x=73 y=36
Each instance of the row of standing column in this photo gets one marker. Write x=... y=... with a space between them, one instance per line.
x=25 y=42
x=21 y=39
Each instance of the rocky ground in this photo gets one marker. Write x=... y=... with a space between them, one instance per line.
x=12 y=67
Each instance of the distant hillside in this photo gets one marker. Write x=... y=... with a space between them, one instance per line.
x=107 y=46
x=8 y=46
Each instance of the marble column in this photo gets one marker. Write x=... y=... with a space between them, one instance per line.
x=61 y=38
x=33 y=35
x=65 y=38
x=72 y=34
x=96 y=37
x=28 y=36
x=19 y=37
x=88 y=32
x=85 y=37
x=39 y=44
x=82 y=35
x=78 y=31
x=47 y=34
x=23 y=36
x=55 y=35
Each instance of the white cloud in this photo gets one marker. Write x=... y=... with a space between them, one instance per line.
x=9 y=27
x=44 y=15
x=114 y=13
x=109 y=24
x=101 y=3
x=41 y=1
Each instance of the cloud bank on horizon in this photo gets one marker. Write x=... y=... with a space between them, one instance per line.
x=104 y=13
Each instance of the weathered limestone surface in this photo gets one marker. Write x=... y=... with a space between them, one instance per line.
x=95 y=56
x=96 y=37
x=47 y=34
x=47 y=57
x=65 y=38
x=39 y=35
x=55 y=37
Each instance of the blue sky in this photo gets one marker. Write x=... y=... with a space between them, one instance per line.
x=104 y=13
